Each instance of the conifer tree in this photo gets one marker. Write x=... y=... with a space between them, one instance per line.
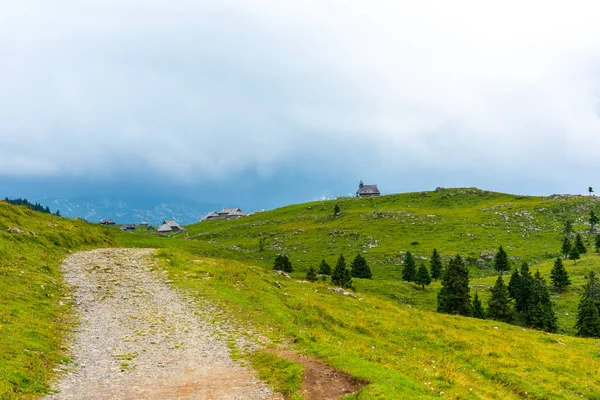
x=574 y=254
x=566 y=247
x=336 y=210
x=453 y=297
x=282 y=263
x=347 y=280
x=523 y=299
x=360 y=268
x=579 y=244
x=591 y=289
x=593 y=220
x=311 y=274
x=501 y=261
x=423 y=278
x=478 y=311
x=588 y=319
x=324 y=268
x=436 y=265
x=597 y=243
x=409 y=271
x=559 y=276
x=514 y=284
x=541 y=315
x=499 y=304
x=337 y=277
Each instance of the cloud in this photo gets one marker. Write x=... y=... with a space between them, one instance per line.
x=206 y=91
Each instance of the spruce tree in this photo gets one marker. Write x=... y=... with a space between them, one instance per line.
x=524 y=293
x=478 y=311
x=579 y=244
x=347 y=279
x=566 y=247
x=514 y=284
x=409 y=271
x=499 y=304
x=311 y=274
x=559 y=276
x=336 y=210
x=360 y=268
x=574 y=254
x=337 y=277
x=501 y=261
x=588 y=319
x=324 y=268
x=436 y=265
x=423 y=278
x=453 y=297
x=541 y=315
x=593 y=220
x=597 y=243
x=282 y=263
x=591 y=289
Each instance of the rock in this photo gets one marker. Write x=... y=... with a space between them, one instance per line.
x=284 y=274
x=277 y=284
x=14 y=229
x=344 y=292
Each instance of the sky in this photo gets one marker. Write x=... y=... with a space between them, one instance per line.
x=265 y=103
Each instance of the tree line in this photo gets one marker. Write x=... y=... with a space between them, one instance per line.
x=32 y=206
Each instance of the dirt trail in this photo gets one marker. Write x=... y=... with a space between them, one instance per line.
x=140 y=339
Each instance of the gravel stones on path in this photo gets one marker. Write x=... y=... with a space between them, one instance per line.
x=139 y=338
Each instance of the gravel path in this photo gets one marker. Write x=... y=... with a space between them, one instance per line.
x=140 y=339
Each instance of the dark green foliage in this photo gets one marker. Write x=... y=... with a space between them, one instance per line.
x=568 y=223
x=409 y=270
x=341 y=275
x=579 y=244
x=597 y=243
x=524 y=293
x=593 y=220
x=588 y=319
x=336 y=210
x=311 y=274
x=574 y=254
x=559 y=276
x=261 y=243
x=566 y=247
x=501 y=261
x=436 y=265
x=478 y=311
x=324 y=268
x=57 y=213
x=423 y=278
x=590 y=190
x=541 y=315
x=360 y=268
x=26 y=203
x=499 y=304
x=453 y=297
x=591 y=289
x=514 y=284
x=282 y=263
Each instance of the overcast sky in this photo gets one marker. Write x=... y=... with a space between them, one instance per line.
x=299 y=98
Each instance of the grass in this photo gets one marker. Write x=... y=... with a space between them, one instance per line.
x=35 y=311
x=282 y=375
x=404 y=352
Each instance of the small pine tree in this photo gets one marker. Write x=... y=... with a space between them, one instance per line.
x=541 y=315
x=360 y=268
x=324 y=268
x=409 y=271
x=436 y=265
x=347 y=279
x=337 y=277
x=559 y=276
x=574 y=254
x=592 y=288
x=453 y=297
x=311 y=274
x=499 y=304
x=57 y=213
x=597 y=243
x=478 y=311
x=501 y=261
x=588 y=319
x=523 y=299
x=593 y=220
x=566 y=247
x=579 y=244
x=568 y=224
x=423 y=278
x=282 y=263
x=336 y=210
x=514 y=284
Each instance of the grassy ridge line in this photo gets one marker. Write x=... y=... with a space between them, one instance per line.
x=464 y=221
x=34 y=314
x=404 y=352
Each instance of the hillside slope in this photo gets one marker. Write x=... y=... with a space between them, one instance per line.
x=34 y=310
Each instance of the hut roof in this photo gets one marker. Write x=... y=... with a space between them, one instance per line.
x=368 y=189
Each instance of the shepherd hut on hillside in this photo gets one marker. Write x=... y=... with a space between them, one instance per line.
x=170 y=226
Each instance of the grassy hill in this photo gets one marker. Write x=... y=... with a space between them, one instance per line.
x=34 y=306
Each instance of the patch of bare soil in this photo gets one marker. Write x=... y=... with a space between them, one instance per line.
x=320 y=381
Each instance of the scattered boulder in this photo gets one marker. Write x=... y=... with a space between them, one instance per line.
x=344 y=292
x=14 y=229
x=284 y=274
